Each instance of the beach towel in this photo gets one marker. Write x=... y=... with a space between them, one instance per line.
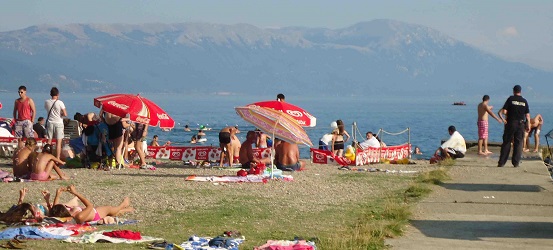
x=287 y=245
x=238 y=179
x=99 y=236
x=248 y=178
x=208 y=243
x=29 y=232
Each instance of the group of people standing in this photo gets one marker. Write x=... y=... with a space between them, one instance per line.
x=107 y=130
x=518 y=127
x=336 y=140
x=26 y=162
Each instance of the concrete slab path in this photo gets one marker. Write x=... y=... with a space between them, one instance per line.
x=485 y=207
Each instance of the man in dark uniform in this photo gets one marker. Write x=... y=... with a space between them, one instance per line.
x=518 y=117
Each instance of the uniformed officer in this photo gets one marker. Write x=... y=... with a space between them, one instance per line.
x=518 y=117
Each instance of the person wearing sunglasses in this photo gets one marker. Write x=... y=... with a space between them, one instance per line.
x=24 y=113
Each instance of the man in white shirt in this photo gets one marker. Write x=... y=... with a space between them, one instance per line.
x=371 y=142
x=54 y=125
x=455 y=147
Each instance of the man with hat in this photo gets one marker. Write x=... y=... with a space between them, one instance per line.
x=517 y=121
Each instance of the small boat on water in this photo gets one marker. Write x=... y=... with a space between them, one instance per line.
x=460 y=103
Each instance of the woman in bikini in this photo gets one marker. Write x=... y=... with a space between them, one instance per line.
x=43 y=163
x=89 y=212
x=339 y=138
x=138 y=136
x=21 y=159
x=116 y=126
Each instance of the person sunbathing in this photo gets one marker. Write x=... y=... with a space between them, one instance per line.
x=89 y=212
x=24 y=210
x=21 y=162
x=43 y=163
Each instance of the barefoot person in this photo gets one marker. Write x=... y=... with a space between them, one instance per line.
x=89 y=212
x=22 y=159
x=43 y=164
x=287 y=156
x=535 y=128
x=116 y=128
x=225 y=139
x=483 y=110
x=24 y=113
x=54 y=125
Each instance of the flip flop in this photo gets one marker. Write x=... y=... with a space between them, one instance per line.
x=20 y=238
x=158 y=245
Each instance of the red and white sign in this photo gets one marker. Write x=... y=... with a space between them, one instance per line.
x=365 y=157
x=202 y=153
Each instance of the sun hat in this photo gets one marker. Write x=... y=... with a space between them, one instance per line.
x=333 y=125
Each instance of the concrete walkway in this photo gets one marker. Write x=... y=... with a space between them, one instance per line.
x=485 y=207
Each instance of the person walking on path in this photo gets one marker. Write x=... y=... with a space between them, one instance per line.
x=483 y=110
x=24 y=113
x=55 y=109
x=518 y=116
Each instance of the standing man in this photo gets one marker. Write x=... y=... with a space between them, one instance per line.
x=54 y=126
x=39 y=128
x=24 y=113
x=483 y=110
x=281 y=97
x=518 y=117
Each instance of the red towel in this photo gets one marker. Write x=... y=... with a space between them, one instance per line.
x=124 y=234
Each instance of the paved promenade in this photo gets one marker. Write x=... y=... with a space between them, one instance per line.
x=485 y=207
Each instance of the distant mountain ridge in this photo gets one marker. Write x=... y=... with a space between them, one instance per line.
x=381 y=56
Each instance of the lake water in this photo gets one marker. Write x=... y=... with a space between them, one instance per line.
x=427 y=119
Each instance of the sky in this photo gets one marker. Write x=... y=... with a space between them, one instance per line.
x=519 y=31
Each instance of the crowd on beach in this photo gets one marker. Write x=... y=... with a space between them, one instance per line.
x=109 y=135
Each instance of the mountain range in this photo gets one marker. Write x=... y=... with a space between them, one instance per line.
x=379 y=57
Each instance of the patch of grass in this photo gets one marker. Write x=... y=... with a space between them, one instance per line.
x=433 y=177
x=447 y=162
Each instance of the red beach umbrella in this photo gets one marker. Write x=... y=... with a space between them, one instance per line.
x=300 y=115
x=137 y=108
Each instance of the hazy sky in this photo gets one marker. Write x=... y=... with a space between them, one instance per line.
x=516 y=30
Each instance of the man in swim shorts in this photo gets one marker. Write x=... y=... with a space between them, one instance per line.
x=483 y=110
x=288 y=157
x=227 y=151
x=24 y=113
